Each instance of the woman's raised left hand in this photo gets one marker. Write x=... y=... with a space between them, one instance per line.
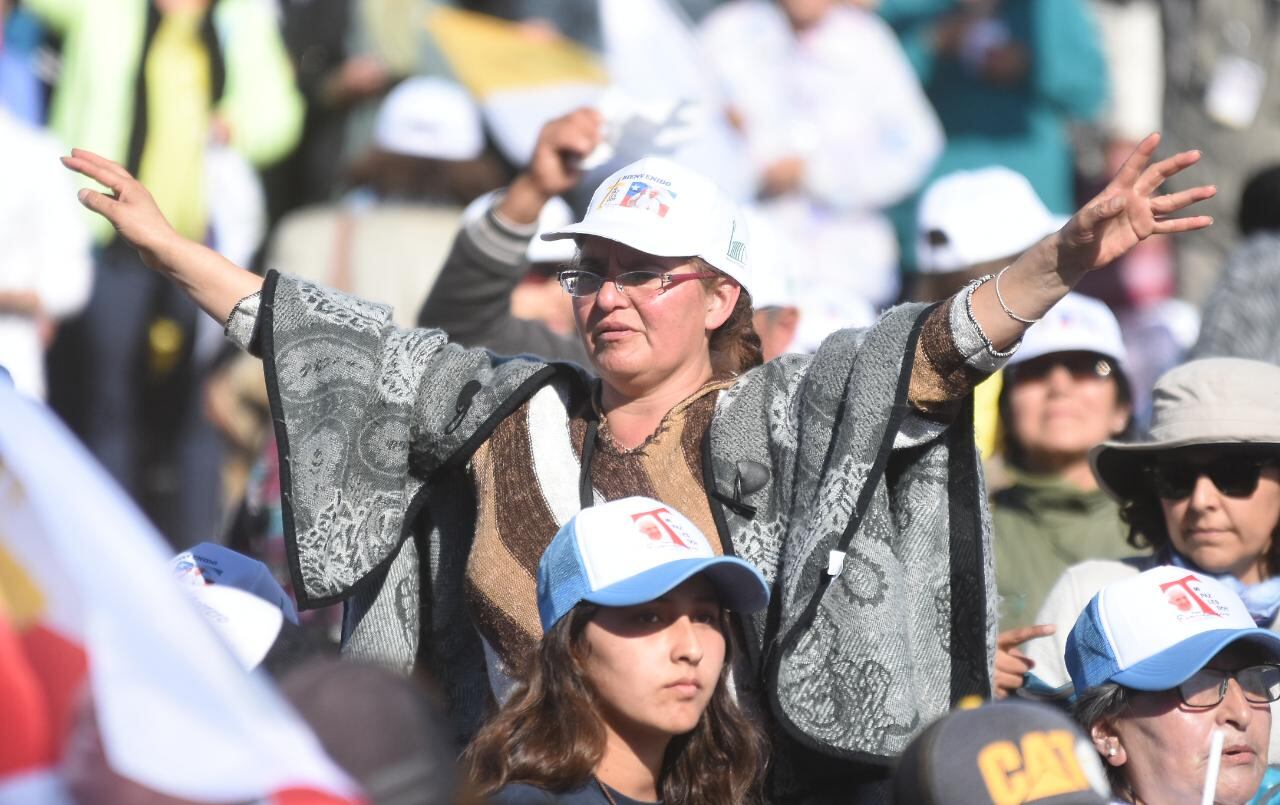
x=1128 y=211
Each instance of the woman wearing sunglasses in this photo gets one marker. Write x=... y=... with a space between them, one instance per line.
x=422 y=480
x=1203 y=493
x=1161 y=661
x=1063 y=393
x=626 y=699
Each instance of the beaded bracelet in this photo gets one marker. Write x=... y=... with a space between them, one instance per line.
x=1000 y=299
x=968 y=309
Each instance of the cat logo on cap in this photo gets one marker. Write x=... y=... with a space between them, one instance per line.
x=1042 y=764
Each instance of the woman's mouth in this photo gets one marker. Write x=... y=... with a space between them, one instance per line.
x=1238 y=755
x=612 y=332
x=686 y=687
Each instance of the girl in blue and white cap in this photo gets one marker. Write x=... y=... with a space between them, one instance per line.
x=626 y=699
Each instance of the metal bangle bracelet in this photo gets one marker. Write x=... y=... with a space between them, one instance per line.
x=1000 y=299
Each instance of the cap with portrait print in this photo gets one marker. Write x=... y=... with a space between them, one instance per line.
x=634 y=550
x=1154 y=630
x=665 y=209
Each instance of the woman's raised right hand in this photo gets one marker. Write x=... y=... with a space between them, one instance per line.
x=553 y=168
x=130 y=207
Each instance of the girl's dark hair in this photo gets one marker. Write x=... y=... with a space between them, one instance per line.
x=735 y=345
x=550 y=735
x=1105 y=702
x=1014 y=454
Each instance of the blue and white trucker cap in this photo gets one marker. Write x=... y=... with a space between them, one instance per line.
x=1156 y=629
x=634 y=550
x=663 y=208
x=220 y=565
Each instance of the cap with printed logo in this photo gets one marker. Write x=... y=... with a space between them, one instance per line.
x=1077 y=323
x=665 y=209
x=635 y=550
x=967 y=218
x=1154 y=630
x=237 y=597
x=1010 y=751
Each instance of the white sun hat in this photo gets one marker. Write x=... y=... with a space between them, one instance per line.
x=1077 y=323
x=432 y=118
x=665 y=209
x=971 y=217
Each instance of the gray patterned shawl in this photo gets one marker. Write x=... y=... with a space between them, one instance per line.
x=376 y=424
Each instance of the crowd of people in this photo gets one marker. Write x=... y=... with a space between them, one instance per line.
x=860 y=403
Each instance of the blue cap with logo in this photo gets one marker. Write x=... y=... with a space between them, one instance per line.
x=1154 y=630
x=219 y=565
x=634 y=550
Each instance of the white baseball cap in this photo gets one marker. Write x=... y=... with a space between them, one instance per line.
x=971 y=217
x=247 y=623
x=429 y=117
x=1078 y=323
x=1154 y=630
x=555 y=215
x=634 y=550
x=662 y=208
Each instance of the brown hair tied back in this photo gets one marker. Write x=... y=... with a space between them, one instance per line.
x=735 y=345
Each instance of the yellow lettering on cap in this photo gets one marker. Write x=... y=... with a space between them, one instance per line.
x=1001 y=767
x=1044 y=765
x=1052 y=766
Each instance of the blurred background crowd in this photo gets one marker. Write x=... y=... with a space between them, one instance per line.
x=342 y=139
x=892 y=150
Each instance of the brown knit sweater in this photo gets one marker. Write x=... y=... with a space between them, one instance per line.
x=515 y=523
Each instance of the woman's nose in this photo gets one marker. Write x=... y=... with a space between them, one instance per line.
x=609 y=297
x=1204 y=495
x=1235 y=709
x=686 y=645
x=1059 y=378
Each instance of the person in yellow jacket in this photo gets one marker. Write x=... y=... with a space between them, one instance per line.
x=155 y=84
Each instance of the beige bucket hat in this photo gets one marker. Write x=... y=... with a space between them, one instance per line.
x=1211 y=401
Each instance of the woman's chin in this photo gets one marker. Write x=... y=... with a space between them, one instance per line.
x=615 y=364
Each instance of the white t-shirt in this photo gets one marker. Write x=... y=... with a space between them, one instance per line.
x=44 y=245
x=843 y=97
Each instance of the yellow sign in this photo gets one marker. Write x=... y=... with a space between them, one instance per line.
x=489 y=55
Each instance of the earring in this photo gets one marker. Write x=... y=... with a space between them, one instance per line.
x=1111 y=751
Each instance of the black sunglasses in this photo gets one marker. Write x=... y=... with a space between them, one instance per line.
x=1080 y=365
x=1235 y=477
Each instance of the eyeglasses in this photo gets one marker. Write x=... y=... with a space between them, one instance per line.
x=1207 y=687
x=1080 y=365
x=1234 y=476
x=638 y=286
